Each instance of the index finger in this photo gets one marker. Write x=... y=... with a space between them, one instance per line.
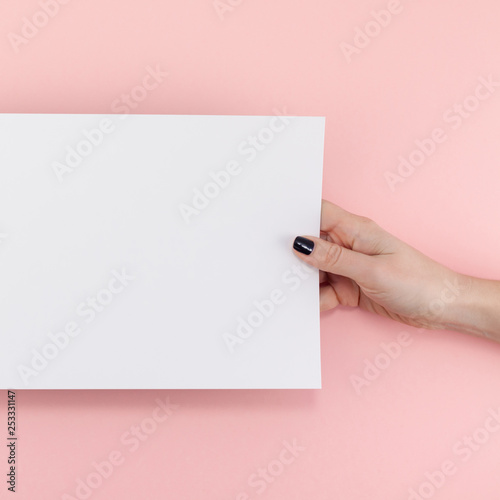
x=350 y=230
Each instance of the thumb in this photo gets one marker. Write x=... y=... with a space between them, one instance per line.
x=332 y=258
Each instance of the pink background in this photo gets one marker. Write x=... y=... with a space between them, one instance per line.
x=264 y=55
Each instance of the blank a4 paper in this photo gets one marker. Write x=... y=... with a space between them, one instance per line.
x=155 y=252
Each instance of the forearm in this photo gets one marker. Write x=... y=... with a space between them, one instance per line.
x=476 y=309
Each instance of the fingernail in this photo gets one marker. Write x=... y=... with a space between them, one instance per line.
x=303 y=245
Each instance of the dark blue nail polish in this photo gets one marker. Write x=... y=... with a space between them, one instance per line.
x=303 y=245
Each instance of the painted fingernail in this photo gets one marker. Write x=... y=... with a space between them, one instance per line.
x=303 y=245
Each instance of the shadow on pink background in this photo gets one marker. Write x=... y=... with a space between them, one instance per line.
x=392 y=434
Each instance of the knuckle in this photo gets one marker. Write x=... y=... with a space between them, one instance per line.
x=366 y=222
x=333 y=255
x=365 y=227
x=360 y=226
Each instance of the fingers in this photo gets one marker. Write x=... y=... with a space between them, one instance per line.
x=327 y=298
x=352 y=231
x=335 y=218
x=332 y=258
x=339 y=290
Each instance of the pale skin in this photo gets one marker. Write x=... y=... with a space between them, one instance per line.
x=362 y=265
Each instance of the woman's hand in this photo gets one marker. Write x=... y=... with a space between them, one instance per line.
x=363 y=265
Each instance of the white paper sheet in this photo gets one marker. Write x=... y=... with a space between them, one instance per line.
x=129 y=261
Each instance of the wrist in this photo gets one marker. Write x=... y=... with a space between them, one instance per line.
x=475 y=309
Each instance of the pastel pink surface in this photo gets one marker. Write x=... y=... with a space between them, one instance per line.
x=263 y=55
